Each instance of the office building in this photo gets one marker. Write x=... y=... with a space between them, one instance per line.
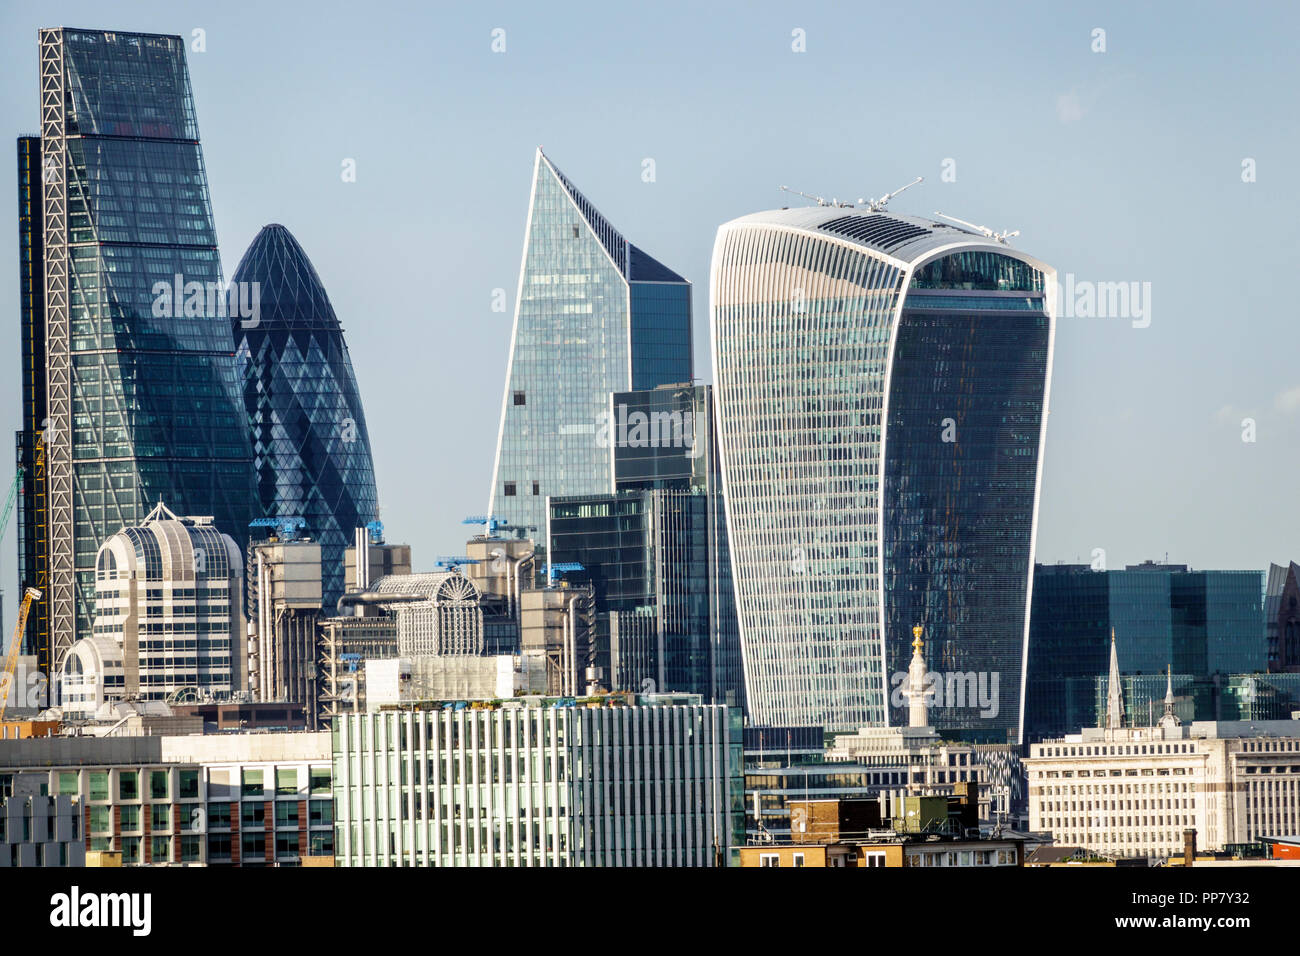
x=37 y=829
x=1198 y=624
x=169 y=617
x=654 y=549
x=285 y=600
x=311 y=447
x=32 y=513
x=259 y=799
x=142 y=397
x=594 y=314
x=1282 y=617
x=881 y=384
x=538 y=782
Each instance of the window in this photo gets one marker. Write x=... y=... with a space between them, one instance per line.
x=252 y=783
x=510 y=489
x=191 y=848
x=160 y=849
x=286 y=814
x=187 y=784
x=768 y=859
x=128 y=785
x=252 y=845
x=875 y=858
x=131 y=850
x=286 y=844
x=218 y=815
x=218 y=846
x=286 y=781
x=68 y=782
x=798 y=859
x=320 y=813
x=575 y=232
x=520 y=398
x=160 y=817
x=320 y=781
x=536 y=488
x=130 y=819
x=158 y=784
x=252 y=815
x=101 y=819
x=99 y=786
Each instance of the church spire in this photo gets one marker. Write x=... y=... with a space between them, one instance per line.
x=1170 y=719
x=1114 y=691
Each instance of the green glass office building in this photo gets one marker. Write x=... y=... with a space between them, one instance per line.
x=143 y=401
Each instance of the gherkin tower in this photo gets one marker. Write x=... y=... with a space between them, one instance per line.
x=311 y=447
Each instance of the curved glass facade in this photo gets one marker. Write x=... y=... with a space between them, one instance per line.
x=311 y=446
x=800 y=339
x=594 y=315
x=881 y=459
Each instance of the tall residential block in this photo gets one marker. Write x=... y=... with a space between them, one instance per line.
x=142 y=398
x=594 y=314
x=881 y=384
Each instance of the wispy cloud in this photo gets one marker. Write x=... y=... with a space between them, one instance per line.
x=1288 y=400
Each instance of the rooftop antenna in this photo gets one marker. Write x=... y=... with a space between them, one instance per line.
x=875 y=205
x=1001 y=237
x=817 y=199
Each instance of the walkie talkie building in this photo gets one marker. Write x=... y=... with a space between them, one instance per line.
x=881 y=388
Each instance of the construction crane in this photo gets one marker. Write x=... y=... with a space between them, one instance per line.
x=15 y=644
x=988 y=233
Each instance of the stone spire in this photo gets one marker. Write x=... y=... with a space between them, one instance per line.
x=1114 y=691
x=917 y=714
x=1170 y=719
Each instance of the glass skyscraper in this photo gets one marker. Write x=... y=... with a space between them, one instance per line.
x=655 y=550
x=882 y=391
x=142 y=396
x=1195 y=624
x=311 y=448
x=594 y=315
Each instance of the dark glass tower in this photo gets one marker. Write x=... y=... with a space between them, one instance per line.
x=594 y=315
x=32 y=510
x=311 y=448
x=142 y=395
x=655 y=550
x=1202 y=625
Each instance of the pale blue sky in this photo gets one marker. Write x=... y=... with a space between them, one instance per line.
x=1116 y=166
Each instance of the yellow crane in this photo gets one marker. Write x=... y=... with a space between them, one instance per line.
x=15 y=643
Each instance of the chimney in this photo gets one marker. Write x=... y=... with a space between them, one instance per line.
x=1189 y=846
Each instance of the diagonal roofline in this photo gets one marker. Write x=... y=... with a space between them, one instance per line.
x=633 y=263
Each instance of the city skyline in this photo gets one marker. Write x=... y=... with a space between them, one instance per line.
x=1164 y=409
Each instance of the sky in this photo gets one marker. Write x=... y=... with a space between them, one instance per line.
x=1155 y=152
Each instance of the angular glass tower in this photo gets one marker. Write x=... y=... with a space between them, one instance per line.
x=881 y=387
x=142 y=396
x=311 y=448
x=593 y=315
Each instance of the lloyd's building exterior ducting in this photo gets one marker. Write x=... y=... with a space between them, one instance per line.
x=882 y=386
